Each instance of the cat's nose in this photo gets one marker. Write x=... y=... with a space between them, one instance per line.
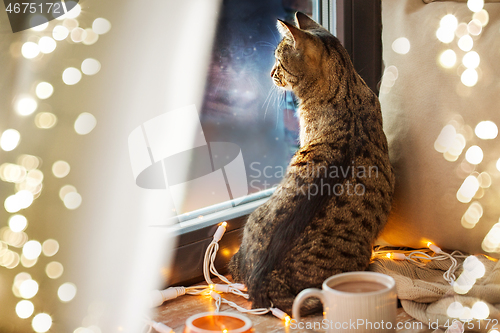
x=273 y=71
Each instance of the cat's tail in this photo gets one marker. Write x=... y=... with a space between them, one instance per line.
x=294 y=212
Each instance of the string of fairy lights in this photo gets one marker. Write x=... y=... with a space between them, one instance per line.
x=17 y=248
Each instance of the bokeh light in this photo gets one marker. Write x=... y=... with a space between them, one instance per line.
x=71 y=76
x=60 y=32
x=25 y=105
x=461 y=30
x=482 y=16
x=28 y=288
x=10 y=139
x=29 y=162
x=24 y=198
x=401 y=45
x=475 y=269
x=65 y=190
x=91 y=66
x=70 y=23
x=47 y=44
x=465 y=43
x=11 y=205
x=18 y=223
x=491 y=242
x=12 y=173
x=54 y=270
x=60 y=169
x=32 y=249
x=14 y=239
x=468 y=189
x=472 y=215
x=85 y=123
x=50 y=247
x=445 y=35
x=44 y=90
x=454 y=309
x=78 y=35
x=475 y=27
x=101 y=26
x=486 y=130
x=66 y=292
x=34 y=177
x=466 y=314
x=30 y=50
x=484 y=179
x=9 y=259
x=475 y=5
x=72 y=200
x=480 y=310
x=41 y=323
x=449 y=22
x=24 y=309
x=389 y=79
x=469 y=77
x=474 y=155
x=448 y=58
x=471 y=59
x=45 y=120
x=28 y=262
x=91 y=37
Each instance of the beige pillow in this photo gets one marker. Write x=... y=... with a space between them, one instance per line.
x=430 y=118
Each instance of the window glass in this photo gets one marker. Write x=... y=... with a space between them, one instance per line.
x=241 y=105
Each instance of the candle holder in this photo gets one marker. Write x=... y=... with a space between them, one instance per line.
x=214 y=322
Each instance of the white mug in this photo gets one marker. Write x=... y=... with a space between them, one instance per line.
x=354 y=302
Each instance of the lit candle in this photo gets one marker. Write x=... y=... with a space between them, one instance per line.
x=210 y=322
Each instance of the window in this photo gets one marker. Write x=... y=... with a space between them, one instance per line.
x=242 y=106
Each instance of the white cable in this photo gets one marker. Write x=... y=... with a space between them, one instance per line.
x=158 y=297
x=419 y=256
x=211 y=253
x=219 y=299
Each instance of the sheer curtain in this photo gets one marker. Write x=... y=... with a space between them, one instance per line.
x=153 y=60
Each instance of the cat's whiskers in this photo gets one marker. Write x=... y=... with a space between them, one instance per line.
x=281 y=101
x=276 y=96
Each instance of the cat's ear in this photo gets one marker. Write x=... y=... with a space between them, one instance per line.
x=305 y=22
x=292 y=32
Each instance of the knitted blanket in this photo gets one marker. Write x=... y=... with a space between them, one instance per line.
x=428 y=297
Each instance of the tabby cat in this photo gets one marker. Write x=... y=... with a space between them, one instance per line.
x=336 y=195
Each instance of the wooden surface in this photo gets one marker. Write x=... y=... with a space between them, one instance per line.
x=175 y=312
